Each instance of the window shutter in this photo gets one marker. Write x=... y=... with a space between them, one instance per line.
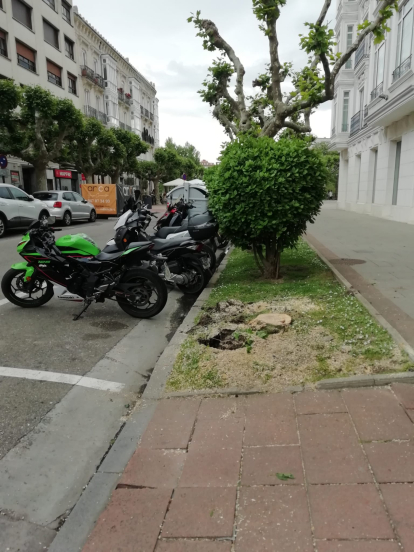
x=54 y=69
x=25 y=51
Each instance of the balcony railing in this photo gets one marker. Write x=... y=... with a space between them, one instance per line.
x=377 y=91
x=124 y=97
x=122 y=125
x=152 y=116
x=121 y=96
x=128 y=99
x=147 y=113
x=345 y=127
x=402 y=69
x=356 y=123
x=360 y=54
x=127 y=127
x=142 y=110
x=54 y=79
x=333 y=133
x=95 y=114
x=26 y=63
x=365 y=114
x=92 y=76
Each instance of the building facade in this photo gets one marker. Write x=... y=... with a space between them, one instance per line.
x=373 y=114
x=48 y=43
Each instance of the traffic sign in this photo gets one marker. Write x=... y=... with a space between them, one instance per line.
x=3 y=162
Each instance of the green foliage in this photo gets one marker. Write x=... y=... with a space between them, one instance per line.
x=124 y=147
x=331 y=159
x=89 y=148
x=264 y=193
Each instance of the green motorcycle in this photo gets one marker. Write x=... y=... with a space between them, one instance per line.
x=89 y=275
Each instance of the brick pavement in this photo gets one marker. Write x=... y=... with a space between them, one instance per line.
x=205 y=476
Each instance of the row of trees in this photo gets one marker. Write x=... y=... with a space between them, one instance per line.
x=39 y=128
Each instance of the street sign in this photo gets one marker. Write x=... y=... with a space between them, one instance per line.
x=3 y=162
x=63 y=174
x=184 y=176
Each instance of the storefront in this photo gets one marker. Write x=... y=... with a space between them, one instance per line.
x=66 y=180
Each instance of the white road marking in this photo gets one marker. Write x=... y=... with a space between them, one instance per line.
x=55 y=377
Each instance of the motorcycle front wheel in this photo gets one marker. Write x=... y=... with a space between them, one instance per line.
x=28 y=295
x=150 y=291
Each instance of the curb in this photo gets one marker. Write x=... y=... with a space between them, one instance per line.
x=81 y=521
x=366 y=381
x=398 y=338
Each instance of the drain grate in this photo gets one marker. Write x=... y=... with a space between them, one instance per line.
x=347 y=262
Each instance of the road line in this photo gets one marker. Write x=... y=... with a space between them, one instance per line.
x=55 y=377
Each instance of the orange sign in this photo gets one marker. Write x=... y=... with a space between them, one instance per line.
x=103 y=196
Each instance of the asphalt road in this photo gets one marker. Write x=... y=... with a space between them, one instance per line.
x=52 y=434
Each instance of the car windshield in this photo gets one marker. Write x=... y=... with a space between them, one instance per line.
x=45 y=196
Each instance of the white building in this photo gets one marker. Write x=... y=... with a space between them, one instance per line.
x=112 y=90
x=373 y=114
x=37 y=47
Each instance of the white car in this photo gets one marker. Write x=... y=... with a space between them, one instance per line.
x=67 y=206
x=18 y=209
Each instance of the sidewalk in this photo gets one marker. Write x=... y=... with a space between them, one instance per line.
x=376 y=256
x=312 y=472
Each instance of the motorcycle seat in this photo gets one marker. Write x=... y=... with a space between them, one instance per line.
x=162 y=245
x=111 y=252
x=168 y=230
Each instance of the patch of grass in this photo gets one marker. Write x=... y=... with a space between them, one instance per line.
x=188 y=371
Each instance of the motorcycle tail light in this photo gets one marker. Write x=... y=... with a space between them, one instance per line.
x=200 y=247
x=57 y=205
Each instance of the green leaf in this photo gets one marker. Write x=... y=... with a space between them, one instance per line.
x=285 y=476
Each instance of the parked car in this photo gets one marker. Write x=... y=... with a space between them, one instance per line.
x=67 y=206
x=18 y=209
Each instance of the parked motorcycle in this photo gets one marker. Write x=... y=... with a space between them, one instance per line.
x=89 y=275
x=182 y=263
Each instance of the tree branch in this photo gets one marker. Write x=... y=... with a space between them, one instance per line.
x=230 y=127
x=271 y=20
x=324 y=11
x=301 y=129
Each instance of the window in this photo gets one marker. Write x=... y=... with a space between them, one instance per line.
x=4 y=193
x=85 y=57
x=404 y=41
x=50 y=3
x=51 y=34
x=54 y=73
x=66 y=12
x=345 y=112
x=98 y=103
x=45 y=196
x=374 y=182
x=22 y=12
x=77 y=196
x=69 y=48
x=68 y=197
x=3 y=43
x=72 y=84
x=95 y=66
x=396 y=174
x=26 y=57
x=87 y=97
x=18 y=194
x=349 y=41
x=379 y=65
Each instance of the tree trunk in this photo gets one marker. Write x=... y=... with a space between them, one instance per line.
x=89 y=178
x=41 y=178
x=156 y=190
x=268 y=263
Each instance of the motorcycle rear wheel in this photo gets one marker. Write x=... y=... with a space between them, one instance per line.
x=16 y=290
x=199 y=282
x=151 y=290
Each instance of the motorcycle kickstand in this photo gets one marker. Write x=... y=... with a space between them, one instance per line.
x=87 y=304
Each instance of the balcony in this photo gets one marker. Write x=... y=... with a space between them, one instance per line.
x=54 y=79
x=147 y=115
x=95 y=114
x=377 y=91
x=90 y=74
x=122 y=125
x=356 y=123
x=333 y=133
x=142 y=110
x=401 y=69
x=125 y=98
x=128 y=128
x=361 y=53
x=26 y=63
x=152 y=116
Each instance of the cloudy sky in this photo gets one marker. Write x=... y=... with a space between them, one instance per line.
x=159 y=42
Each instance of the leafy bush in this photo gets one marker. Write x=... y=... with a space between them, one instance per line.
x=264 y=193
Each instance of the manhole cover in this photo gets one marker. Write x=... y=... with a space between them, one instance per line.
x=348 y=262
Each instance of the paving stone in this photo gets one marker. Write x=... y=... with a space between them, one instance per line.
x=132 y=516
x=270 y=420
x=222 y=408
x=392 y=462
x=400 y=503
x=193 y=546
x=211 y=468
x=405 y=394
x=331 y=450
x=154 y=468
x=221 y=433
x=319 y=402
x=348 y=512
x=171 y=425
x=273 y=519
x=411 y=415
x=262 y=464
x=357 y=546
x=377 y=415
x=201 y=513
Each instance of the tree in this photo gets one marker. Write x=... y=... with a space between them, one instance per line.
x=35 y=126
x=188 y=150
x=89 y=148
x=270 y=110
x=264 y=193
x=123 y=149
x=331 y=159
x=166 y=166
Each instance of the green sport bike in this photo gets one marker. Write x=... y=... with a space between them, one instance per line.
x=89 y=275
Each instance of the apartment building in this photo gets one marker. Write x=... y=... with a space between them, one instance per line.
x=373 y=114
x=112 y=90
x=37 y=47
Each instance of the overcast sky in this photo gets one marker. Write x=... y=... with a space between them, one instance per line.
x=159 y=42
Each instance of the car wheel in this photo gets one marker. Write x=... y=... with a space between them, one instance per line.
x=3 y=227
x=67 y=219
x=92 y=217
x=44 y=216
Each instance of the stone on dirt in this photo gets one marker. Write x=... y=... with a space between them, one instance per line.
x=271 y=319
